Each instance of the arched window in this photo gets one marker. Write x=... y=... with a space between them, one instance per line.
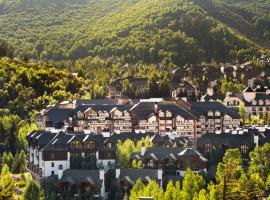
x=210 y=113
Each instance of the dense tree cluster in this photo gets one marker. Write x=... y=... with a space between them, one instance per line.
x=26 y=87
x=232 y=181
x=126 y=148
x=130 y=31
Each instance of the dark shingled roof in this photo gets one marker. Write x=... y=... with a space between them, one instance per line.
x=124 y=136
x=56 y=115
x=40 y=137
x=93 y=101
x=73 y=176
x=101 y=107
x=230 y=140
x=131 y=175
x=60 y=138
x=191 y=152
x=260 y=89
x=159 y=153
x=202 y=108
x=143 y=110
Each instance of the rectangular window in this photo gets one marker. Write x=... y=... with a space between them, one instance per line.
x=52 y=164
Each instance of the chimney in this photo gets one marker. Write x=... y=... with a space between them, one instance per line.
x=210 y=91
x=143 y=150
x=102 y=178
x=250 y=83
x=156 y=107
x=160 y=176
x=117 y=173
x=256 y=140
x=60 y=172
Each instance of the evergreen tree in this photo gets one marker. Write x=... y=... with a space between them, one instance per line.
x=32 y=191
x=252 y=187
x=192 y=184
x=7 y=158
x=134 y=164
x=5 y=170
x=137 y=190
x=260 y=161
x=177 y=191
x=243 y=113
x=6 y=184
x=19 y=162
x=229 y=173
x=170 y=191
x=140 y=164
x=152 y=189
x=214 y=192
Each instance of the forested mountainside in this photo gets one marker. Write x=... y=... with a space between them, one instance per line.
x=150 y=31
x=28 y=87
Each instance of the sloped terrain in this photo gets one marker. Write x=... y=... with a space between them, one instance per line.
x=150 y=31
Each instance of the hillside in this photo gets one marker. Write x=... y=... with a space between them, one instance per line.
x=150 y=31
x=28 y=87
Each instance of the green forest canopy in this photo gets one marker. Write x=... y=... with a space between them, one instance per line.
x=136 y=30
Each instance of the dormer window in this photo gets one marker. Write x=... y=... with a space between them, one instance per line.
x=260 y=102
x=106 y=114
x=210 y=113
x=101 y=114
x=118 y=114
x=126 y=114
x=180 y=119
x=267 y=102
x=80 y=115
x=161 y=114
x=168 y=114
x=254 y=102
x=217 y=113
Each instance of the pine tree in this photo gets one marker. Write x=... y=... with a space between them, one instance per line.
x=260 y=161
x=137 y=190
x=7 y=158
x=32 y=191
x=229 y=173
x=169 y=193
x=140 y=164
x=6 y=184
x=243 y=113
x=152 y=190
x=5 y=170
x=252 y=187
x=134 y=164
x=177 y=191
x=192 y=184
